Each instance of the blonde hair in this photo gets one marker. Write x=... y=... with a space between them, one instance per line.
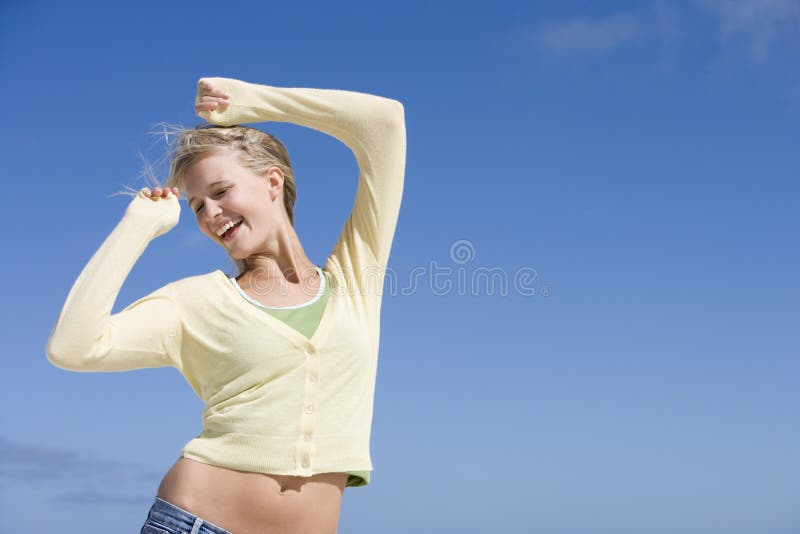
x=258 y=151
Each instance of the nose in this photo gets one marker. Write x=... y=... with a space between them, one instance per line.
x=212 y=211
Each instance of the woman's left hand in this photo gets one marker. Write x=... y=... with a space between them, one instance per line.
x=211 y=98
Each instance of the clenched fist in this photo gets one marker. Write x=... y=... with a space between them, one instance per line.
x=159 y=208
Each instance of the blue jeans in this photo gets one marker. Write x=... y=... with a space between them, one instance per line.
x=166 y=518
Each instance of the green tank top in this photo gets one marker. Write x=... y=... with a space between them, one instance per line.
x=304 y=317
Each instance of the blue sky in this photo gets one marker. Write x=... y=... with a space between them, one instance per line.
x=629 y=169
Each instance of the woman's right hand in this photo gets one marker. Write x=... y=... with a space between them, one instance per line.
x=210 y=98
x=160 y=205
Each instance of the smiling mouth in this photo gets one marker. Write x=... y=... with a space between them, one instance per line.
x=231 y=232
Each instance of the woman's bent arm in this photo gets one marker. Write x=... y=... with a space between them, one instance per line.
x=373 y=127
x=86 y=337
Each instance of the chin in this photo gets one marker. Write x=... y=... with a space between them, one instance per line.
x=235 y=255
x=231 y=255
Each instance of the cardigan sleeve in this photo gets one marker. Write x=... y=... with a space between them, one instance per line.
x=373 y=127
x=86 y=336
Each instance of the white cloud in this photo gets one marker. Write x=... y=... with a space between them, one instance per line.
x=756 y=24
x=582 y=36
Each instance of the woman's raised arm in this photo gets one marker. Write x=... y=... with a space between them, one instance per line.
x=373 y=127
x=86 y=337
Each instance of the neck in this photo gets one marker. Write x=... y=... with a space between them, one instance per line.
x=284 y=261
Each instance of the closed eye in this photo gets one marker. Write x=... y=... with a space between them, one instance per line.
x=220 y=193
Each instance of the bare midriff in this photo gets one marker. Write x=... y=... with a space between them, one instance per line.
x=244 y=502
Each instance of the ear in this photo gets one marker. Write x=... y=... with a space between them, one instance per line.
x=274 y=177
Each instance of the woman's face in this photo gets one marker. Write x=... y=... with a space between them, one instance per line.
x=221 y=190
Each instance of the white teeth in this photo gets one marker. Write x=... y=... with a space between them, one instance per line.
x=227 y=226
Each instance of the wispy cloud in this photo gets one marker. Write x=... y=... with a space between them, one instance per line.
x=58 y=469
x=666 y=20
x=91 y=496
x=585 y=36
x=757 y=25
x=754 y=26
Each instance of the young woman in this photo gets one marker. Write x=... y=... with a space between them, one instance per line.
x=284 y=353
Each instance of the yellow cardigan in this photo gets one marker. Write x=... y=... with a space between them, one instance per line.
x=275 y=401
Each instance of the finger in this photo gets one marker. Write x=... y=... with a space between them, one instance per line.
x=209 y=89
x=212 y=103
x=208 y=99
x=208 y=106
x=217 y=93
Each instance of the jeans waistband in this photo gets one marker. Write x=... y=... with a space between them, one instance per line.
x=177 y=518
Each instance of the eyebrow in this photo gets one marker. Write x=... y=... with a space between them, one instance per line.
x=191 y=199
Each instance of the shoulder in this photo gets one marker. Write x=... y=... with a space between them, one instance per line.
x=197 y=285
